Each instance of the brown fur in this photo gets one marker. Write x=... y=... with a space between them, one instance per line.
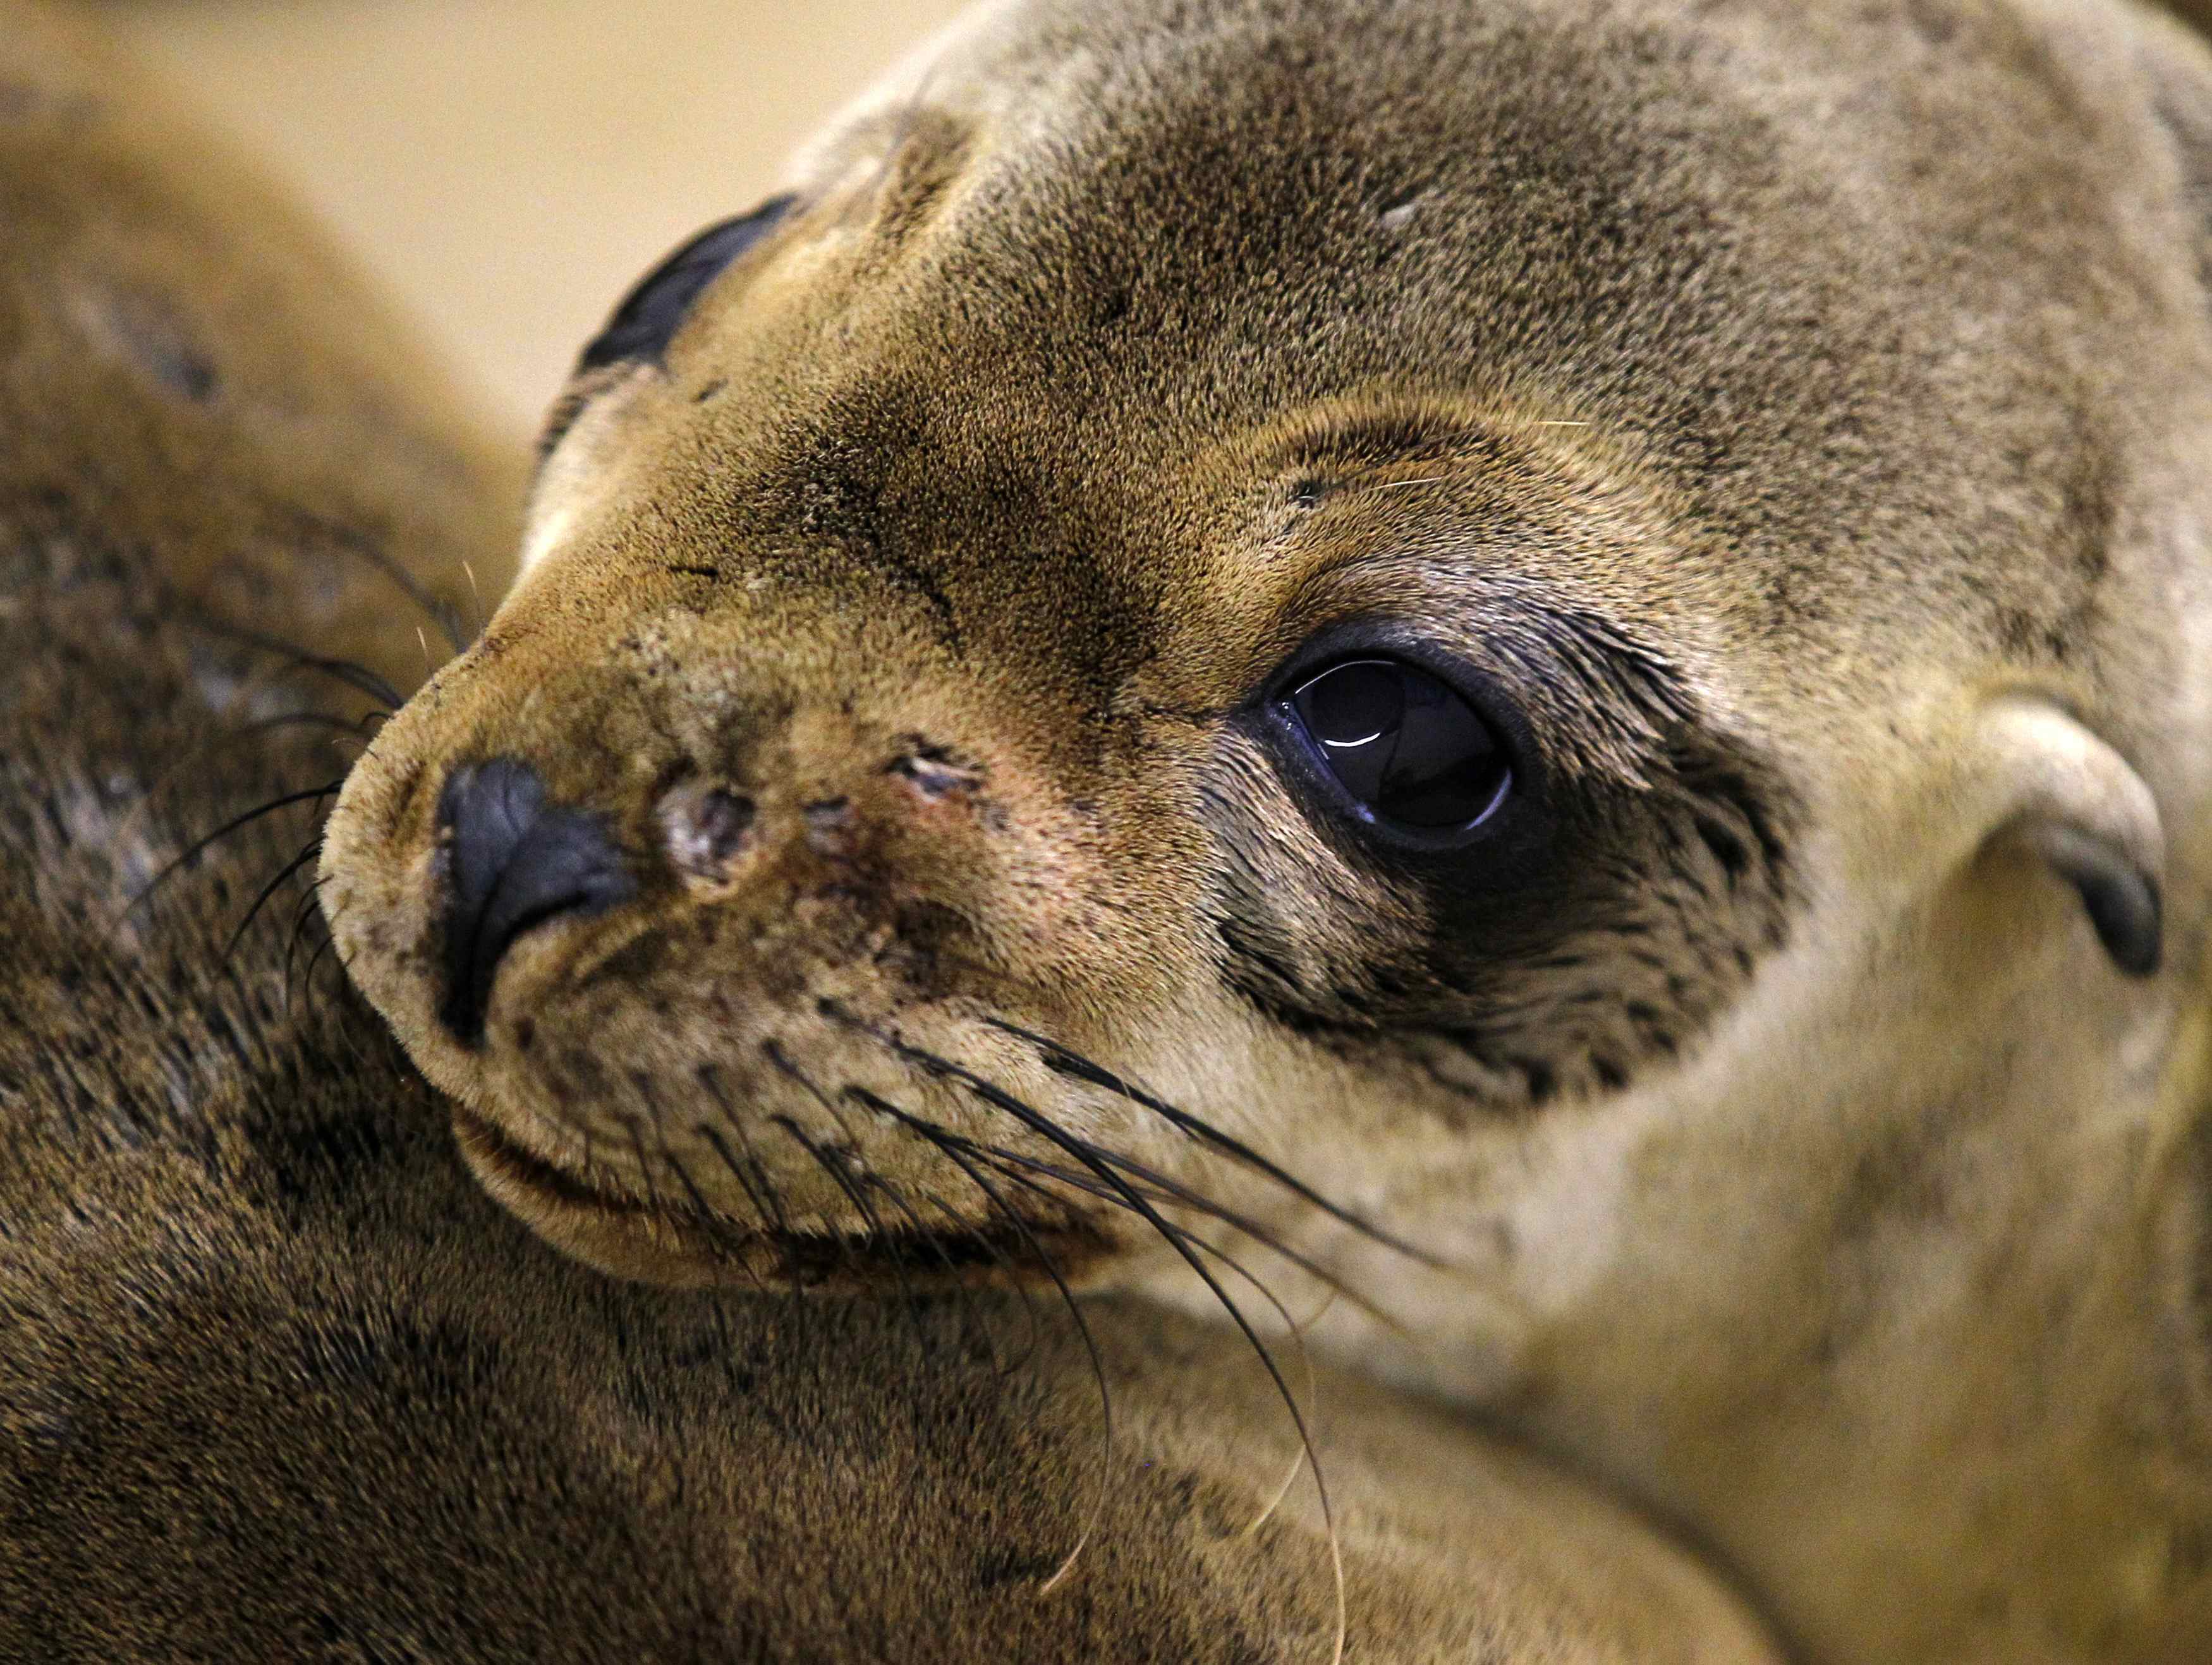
x=276 y=1380
x=1797 y=414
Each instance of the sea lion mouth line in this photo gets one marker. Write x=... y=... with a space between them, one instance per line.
x=979 y=1255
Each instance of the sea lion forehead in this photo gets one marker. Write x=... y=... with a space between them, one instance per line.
x=1070 y=341
x=1589 y=209
x=1224 y=218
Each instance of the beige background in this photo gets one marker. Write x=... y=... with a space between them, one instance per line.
x=510 y=166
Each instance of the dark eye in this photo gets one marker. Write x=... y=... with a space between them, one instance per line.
x=1410 y=751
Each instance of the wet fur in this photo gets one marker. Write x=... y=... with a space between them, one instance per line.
x=277 y=1380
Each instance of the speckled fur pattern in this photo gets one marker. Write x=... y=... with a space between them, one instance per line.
x=1791 y=417
x=277 y=1380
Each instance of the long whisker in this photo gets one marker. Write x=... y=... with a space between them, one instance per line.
x=303 y=918
x=329 y=945
x=945 y=1143
x=355 y=542
x=308 y=982
x=758 y=1199
x=791 y=1072
x=1072 y=1063
x=344 y=964
x=196 y=758
x=711 y=1079
x=1005 y=1161
x=829 y=1161
x=1006 y=1264
x=874 y=1181
x=1298 y=1335
x=765 y=1197
x=1298 y=1462
x=314 y=848
x=1159 y=1187
x=359 y=677
x=629 y=1124
x=709 y=1218
x=999 y=1098
x=350 y=727
x=1296 y=1331
x=178 y=863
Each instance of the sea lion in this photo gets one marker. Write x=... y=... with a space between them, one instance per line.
x=1552 y=654
x=277 y=1381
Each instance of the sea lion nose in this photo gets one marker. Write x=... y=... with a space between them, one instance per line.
x=515 y=862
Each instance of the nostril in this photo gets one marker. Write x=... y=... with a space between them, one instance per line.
x=706 y=827
x=513 y=862
x=827 y=822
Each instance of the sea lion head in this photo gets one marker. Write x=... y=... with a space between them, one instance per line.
x=1540 y=652
x=952 y=591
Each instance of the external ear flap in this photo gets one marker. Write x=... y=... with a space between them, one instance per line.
x=2122 y=900
x=2078 y=804
x=645 y=321
x=651 y=313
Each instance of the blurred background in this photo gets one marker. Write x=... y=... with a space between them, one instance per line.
x=511 y=166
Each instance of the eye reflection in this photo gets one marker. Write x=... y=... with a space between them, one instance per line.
x=1408 y=749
